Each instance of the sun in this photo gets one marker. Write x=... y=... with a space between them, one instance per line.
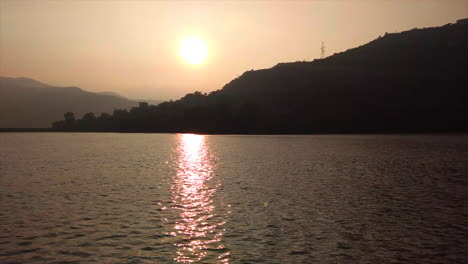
x=193 y=50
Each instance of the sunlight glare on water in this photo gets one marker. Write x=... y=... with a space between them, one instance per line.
x=176 y=198
x=193 y=199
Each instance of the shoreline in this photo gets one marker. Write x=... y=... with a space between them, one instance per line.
x=50 y=130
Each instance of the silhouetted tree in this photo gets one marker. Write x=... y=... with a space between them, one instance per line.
x=104 y=116
x=89 y=117
x=69 y=118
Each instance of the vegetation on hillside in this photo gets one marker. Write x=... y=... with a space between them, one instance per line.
x=414 y=81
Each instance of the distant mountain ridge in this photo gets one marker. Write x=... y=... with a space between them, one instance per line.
x=149 y=101
x=111 y=94
x=21 y=82
x=29 y=103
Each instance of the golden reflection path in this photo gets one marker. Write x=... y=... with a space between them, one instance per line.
x=198 y=229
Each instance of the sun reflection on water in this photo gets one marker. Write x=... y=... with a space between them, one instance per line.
x=198 y=227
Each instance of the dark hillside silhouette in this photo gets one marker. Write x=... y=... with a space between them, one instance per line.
x=414 y=81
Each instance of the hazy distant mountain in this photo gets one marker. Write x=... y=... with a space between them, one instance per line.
x=112 y=94
x=149 y=101
x=411 y=81
x=28 y=103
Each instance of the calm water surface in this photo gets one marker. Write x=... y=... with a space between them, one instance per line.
x=181 y=198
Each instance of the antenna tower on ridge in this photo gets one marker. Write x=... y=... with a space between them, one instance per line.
x=322 y=55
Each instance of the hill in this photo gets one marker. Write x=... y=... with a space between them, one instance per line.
x=149 y=101
x=28 y=103
x=414 y=81
x=111 y=94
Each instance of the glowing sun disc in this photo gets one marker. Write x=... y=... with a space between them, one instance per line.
x=193 y=50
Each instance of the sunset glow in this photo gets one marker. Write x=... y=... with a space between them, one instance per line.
x=193 y=50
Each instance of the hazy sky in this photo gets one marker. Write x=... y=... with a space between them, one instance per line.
x=132 y=47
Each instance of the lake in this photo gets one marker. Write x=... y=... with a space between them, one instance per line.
x=183 y=198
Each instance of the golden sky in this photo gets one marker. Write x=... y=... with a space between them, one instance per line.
x=132 y=47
